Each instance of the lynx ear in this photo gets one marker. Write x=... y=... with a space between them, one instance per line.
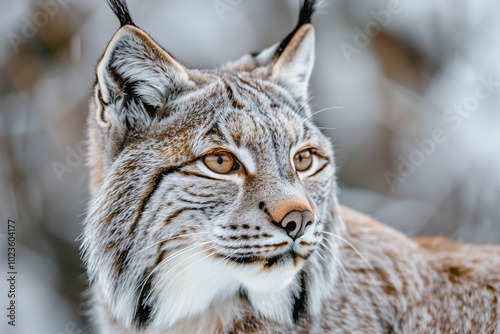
x=293 y=67
x=289 y=62
x=293 y=60
x=135 y=78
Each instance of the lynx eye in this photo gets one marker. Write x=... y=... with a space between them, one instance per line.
x=303 y=160
x=221 y=162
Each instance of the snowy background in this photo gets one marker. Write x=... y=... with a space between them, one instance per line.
x=417 y=136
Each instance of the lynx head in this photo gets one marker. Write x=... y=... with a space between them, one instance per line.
x=207 y=184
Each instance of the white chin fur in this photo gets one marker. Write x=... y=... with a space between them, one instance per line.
x=198 y=286
x=260 y=280
x=269 y=290
x=193 y=287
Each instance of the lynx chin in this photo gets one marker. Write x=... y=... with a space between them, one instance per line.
x=214 y=209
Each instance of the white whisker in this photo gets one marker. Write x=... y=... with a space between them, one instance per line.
x=182 y=251
x=180 y=272
x=317 y=112
x=168 y=239
x=343 y=271
x=352 y=246
x=305 y=103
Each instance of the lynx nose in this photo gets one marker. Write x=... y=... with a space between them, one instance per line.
x=295 y=223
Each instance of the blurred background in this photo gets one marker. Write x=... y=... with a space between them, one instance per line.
x=417 y=136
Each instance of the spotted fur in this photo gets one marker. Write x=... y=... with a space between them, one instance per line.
x=174 y=247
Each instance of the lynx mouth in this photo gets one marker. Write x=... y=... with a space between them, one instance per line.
x=282 y=255
x=284 y=258
x=298 y=259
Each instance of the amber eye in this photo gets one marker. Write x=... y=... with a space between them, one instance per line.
x=221 y=162
x=303 y=160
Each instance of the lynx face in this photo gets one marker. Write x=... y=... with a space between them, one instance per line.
x=205 y=184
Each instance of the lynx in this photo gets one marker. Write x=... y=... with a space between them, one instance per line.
x=214 y=209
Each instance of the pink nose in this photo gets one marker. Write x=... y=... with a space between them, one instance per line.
x=295 y=223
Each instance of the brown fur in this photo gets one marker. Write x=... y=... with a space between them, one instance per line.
x=173 y=247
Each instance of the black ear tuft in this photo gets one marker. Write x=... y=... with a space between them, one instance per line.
x=306 y=12
x=120 y=9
